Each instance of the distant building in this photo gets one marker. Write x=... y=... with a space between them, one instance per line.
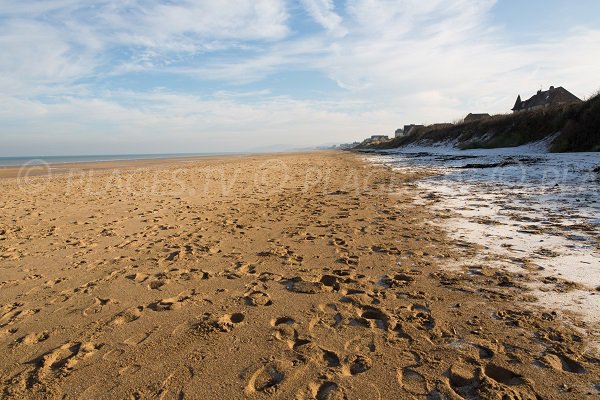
x=412 y=128
x=377 y=138
x=552 y=97
x=399 y=132
x=476 y=117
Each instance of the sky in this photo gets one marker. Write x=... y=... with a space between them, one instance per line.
x=149 y=76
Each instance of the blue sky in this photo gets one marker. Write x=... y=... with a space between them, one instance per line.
x=146 y=76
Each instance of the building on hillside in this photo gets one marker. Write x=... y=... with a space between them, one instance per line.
x=476 y=117
x=552 y=97
x=399 y=132
x=377 y=138
x=412 y=128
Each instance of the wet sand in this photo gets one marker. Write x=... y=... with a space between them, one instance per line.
x=294 y=276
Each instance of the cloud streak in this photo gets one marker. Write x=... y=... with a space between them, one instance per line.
x=323 y=12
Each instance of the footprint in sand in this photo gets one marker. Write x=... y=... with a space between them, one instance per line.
x=405 y=331
x=13 y=313
x=356 y=364
x=419 y=316
x=245 y=268
x=210 y=325
x=331 y=281
x=375 y=318
x=64 y=358
x=168 y=304
x=304 y=346
x=53 y=282
x=327 y=318
x=328 y=391
x=462 y=377
x=157 y=284
x=139 y=338
x=397 y=280
x=285 y=330
x=172 y=303
x=412 y=381
x=338 y=241
x=138 y=278
x=360 y=344
x=234 y=319
x=484 y=351
x=331 y=358
x=349 y=260
x=34 y=338
x=189 y=274
x=113 y=354
x=226 y=323
x=97 y=306
x=562 y=363
x=258 y=298
x=306 y=287
x=268 y=378
x=283 y=320
x=502 y=375
x=127 y=316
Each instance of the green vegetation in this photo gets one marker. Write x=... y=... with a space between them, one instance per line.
x=576 y=128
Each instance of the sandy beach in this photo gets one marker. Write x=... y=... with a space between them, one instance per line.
x=288 y=276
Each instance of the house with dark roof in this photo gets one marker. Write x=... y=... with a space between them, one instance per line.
x=476 y=117
x=552 y=97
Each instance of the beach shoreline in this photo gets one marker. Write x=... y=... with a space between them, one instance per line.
x=45 y=166
x=299 y=275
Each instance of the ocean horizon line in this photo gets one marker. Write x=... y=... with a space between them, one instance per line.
x=16 y=161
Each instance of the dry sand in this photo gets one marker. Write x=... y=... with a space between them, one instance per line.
x=296 y=276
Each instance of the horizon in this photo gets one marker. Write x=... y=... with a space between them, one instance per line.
x=154 y=77
x=250 y=151
x=31 y=159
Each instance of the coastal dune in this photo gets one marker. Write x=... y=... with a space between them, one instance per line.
x=291 y=276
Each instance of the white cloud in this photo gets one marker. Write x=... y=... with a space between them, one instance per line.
x=36 y=55
x=323 y=12
x=56 y=41
x=170 y=122
x=291 y=54
x=180 y=26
